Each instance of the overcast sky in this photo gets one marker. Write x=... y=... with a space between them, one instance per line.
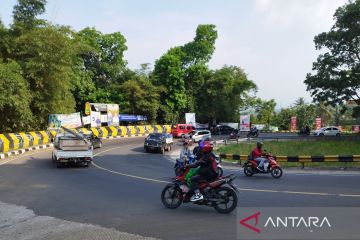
x=271 y=39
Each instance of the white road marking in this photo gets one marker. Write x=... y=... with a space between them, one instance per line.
x=240 y=189
x=349 y=195
x=308 y=193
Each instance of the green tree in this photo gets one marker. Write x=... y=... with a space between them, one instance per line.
x=222 y=95
x=182 y=70
x=104 y=56
x=265 y=111
x=305 y=115
x=141 y=97
x=336 y=76
x=169 y=73
x=15 y=97
x=26 y=11
x=45 y=55
x=282 y=119
x=326 y=113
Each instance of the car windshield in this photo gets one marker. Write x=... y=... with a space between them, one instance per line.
x=154 y=137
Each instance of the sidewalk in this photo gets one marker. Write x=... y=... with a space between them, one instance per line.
x=20 y=223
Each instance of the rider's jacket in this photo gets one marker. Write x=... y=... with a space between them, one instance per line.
x=207 y=166
x=256 y=153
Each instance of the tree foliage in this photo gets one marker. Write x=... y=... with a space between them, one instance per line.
x=336 y=76
x=26 y=11
x=15 y=99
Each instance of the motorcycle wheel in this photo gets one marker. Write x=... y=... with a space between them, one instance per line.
x=248 y=170
x=227 y=200
x=276 y=172
x=219 y=171
x=171 y=196
x=248 y=135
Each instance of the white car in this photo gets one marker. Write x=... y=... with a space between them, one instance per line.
x=196 y=136
x=327 y=131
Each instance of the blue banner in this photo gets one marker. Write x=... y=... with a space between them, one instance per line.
x=131 y=118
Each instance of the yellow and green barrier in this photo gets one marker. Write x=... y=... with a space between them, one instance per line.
x=23 y=140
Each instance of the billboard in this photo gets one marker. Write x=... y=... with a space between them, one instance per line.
x=244 y=122
x=190 y=118
x=293 y=124
x=356 y=128
x=95 y=119
x=318 y=123
x=72 y=120
x=113 y=115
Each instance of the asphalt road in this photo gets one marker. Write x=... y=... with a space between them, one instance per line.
x=122 y=191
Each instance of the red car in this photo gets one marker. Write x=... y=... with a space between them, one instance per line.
x=180 y=130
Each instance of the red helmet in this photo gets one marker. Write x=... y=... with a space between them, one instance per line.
x=206 y=147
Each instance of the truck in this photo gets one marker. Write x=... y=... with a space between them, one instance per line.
x=72 y=148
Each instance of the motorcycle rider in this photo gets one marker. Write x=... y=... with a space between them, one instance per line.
x=257 y=154
x=207 y=170
x=185 y=152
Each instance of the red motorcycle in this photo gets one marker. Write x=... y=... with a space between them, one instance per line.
x=219 y=194
x=251 y=167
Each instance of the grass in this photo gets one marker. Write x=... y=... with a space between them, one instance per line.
x=301 y=148
x=296 y=148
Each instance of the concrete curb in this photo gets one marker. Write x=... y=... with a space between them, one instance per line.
x=25 y=150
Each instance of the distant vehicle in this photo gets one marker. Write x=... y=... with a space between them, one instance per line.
x=71 y=147
x=199 y=135
x=158 y=142
x=223 y=129
x=254 y=132
x=180 y=130
x=95 y=140
x=327 y=131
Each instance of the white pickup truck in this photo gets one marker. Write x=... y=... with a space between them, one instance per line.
x=71 y=147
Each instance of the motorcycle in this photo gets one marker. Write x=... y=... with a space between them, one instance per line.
x=219 y=169
x=254 y=132
x=219 y=194
x=272 y=167
x=234 y=135
x=305 y=131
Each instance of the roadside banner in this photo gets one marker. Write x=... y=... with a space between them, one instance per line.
x=72 y=120
x=86 y=120
x=87 y=108
x=244 y=122
x=131 y=118
x=318 y=123
x=113 y=115
x=103 y=118
x=190 y=118
x=293 y=124
x=356 y=129
x=95 y=119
